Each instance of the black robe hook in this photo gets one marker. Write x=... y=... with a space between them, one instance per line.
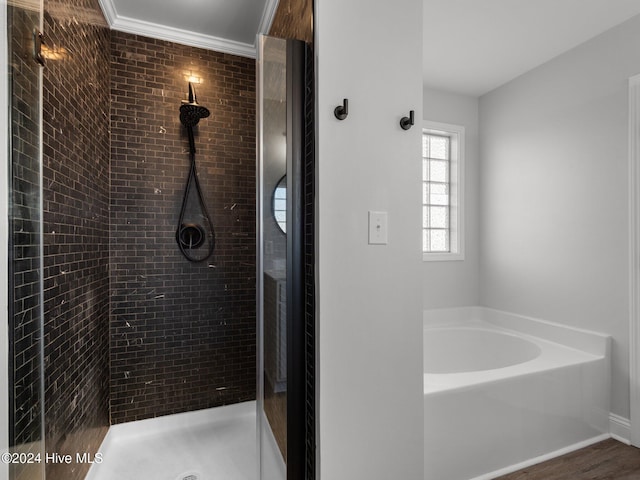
x=407 y=122
x=341 y=111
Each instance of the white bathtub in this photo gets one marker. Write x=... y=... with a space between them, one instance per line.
x=503 y=391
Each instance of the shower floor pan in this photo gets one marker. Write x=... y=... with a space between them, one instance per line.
x=217 y=443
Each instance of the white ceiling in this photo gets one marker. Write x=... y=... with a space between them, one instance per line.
x=470 y=46
x=474 y=46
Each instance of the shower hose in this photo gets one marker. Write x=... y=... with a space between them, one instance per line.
x=191 y=236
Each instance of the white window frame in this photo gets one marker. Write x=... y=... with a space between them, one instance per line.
x=456 y=189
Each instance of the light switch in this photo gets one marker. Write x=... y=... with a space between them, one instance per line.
x=377 y=228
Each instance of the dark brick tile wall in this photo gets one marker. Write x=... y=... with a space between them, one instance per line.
x=24 y=250
x=76 y=150
x=182 y=334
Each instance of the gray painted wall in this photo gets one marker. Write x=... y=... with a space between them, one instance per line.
x=369 y=296
x=455 y=283
x=553 y=177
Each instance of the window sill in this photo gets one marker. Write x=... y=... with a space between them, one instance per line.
x=442 y=257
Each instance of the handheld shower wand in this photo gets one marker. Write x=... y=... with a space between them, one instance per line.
x=191 y=236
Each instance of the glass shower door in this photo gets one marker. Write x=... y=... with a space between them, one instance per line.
x=24 y=266
x=282 y=366
x=272 y=255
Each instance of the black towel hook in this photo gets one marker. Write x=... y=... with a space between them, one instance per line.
x=341 y=111
x=407 y=122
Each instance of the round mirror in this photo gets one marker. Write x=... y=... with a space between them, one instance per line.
x=279 y=204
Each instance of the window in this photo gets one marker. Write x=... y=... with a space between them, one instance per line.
x=442 y=191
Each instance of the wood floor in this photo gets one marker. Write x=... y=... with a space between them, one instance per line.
x=608 y=460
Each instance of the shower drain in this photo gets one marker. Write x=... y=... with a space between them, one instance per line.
x=189 y=476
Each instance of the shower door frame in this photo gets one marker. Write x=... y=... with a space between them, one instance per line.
x=296 y=371
x=634 y=262
x=296 y=365
x=4 y=235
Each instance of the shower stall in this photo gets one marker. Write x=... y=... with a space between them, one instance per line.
x=147 y=299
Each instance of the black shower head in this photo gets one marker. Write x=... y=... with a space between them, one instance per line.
x=190 y=111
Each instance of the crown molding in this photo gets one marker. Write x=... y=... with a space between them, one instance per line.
x=185 y=37
x=268 y=15
x=109 y=11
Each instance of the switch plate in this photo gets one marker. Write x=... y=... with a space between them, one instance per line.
x=378 y=228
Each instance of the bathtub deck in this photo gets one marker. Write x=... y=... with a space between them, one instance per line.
x=608 y=459
x=552 y=356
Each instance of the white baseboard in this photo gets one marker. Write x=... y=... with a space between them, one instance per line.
x=620 y=428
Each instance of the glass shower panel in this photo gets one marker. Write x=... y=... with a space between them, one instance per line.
x=272 y=273
x=26 y=440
